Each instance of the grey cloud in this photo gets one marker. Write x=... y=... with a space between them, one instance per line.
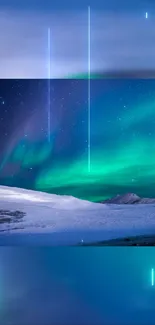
x=118 y=41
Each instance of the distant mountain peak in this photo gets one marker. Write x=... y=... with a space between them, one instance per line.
x=129 y=198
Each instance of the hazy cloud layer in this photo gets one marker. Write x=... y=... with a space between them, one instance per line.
x=118 y=42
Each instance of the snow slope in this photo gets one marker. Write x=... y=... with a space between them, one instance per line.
x=58 y=220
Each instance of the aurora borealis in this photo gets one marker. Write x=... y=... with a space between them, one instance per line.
x=122 y=137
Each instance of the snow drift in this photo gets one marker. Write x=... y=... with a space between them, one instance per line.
x=40 y=218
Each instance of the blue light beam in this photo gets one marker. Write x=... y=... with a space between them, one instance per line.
x=152 y=277
x=49 y=88
x=89 y=130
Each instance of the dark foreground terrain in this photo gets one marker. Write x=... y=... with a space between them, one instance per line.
x=148 y=240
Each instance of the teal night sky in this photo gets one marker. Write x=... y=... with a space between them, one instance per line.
x=52 y=155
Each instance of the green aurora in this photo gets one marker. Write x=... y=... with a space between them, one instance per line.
x=122 y=146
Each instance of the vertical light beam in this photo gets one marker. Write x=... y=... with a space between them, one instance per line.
x=49 y=88
x=152 y=277
x=89 y=126
x=146 y=15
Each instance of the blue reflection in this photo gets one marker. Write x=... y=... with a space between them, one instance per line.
x=76 y=285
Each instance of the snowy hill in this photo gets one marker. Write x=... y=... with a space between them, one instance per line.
x=30 y=217
x=129 y=198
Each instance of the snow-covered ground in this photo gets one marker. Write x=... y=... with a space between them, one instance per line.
x=63 y=220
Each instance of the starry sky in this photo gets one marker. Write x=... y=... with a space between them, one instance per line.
x=121 y=38
x=44 y=145
x=44 y=286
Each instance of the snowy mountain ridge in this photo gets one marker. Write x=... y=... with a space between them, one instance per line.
x=129 y=198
